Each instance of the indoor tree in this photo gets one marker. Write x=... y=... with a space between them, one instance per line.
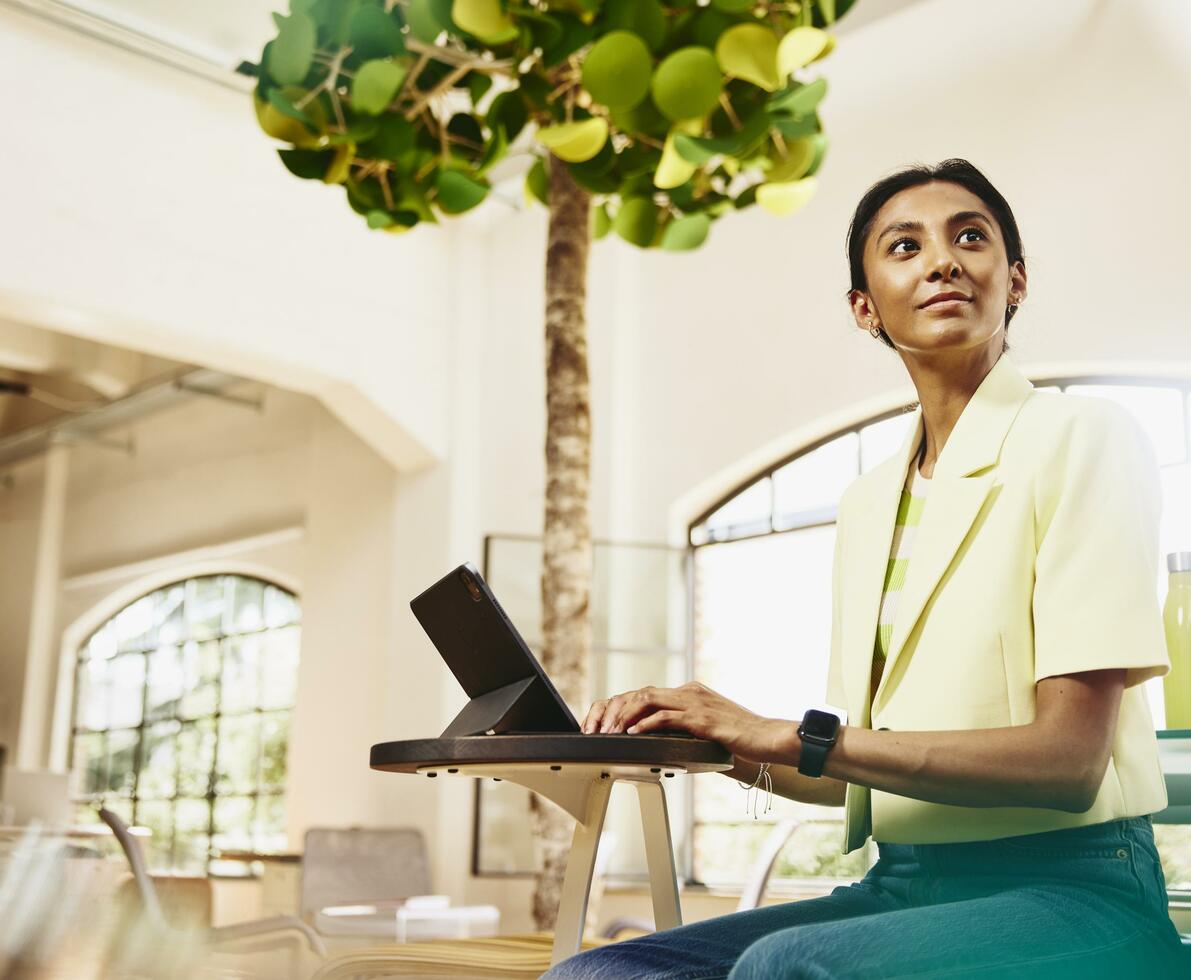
x=651 y=119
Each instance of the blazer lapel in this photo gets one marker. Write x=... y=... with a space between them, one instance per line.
x=957 y=494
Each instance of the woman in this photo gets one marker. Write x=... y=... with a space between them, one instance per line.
x=994 y=615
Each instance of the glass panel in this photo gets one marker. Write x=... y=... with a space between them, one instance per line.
x=205 y=606
x=191 y=828
x=637 y=598
x=746 y=513
x=233 y=823
x=764 y=620
x=159 y=761
x=514 y=572
x=166 y=683
x=1159 y=410
x=281 y=608
x=238 y=754
x=274 y=741
x=196 y=754
x=121 y=807
x=93 y=694
x=247 y=612
x=269 y=826
x=1174 y=849
x=121 y=774
x=158 y=817
x=815 y=481
x=102 y=644
x=134 y=624
x=127 y=680
x=279 y=667
x=882 y=439
x=200 y=667
x=505 y=841
x=241 y=667
x=89 y=765
x=168 y=614
x=725 y=851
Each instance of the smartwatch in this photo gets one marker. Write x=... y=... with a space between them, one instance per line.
x=818 y=731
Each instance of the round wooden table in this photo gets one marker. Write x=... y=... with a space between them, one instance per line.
x=576 y=772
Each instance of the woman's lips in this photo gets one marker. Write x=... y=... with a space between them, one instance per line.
x=946 y=305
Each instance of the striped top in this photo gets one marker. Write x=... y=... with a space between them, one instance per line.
x=909 y=514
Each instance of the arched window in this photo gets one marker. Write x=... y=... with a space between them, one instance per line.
x=181 y=717
x=762 y=601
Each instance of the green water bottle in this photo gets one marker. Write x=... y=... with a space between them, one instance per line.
x=1176 y=617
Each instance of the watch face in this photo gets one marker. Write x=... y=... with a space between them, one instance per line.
x=820 y=724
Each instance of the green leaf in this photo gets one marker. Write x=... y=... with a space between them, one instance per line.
x=508 y=112
x=457 y=192
x=375 y=85
x=575 y=34
x=537 y=183
x=802 y=46
x=636 y=221
x=485 y=20
x=737 y=6
x=478 y=84
x=424 y=21
x=796 y=127
x=494 y=151
x=285 y=107
x=307 y=164
x=687 y=84
x=698 y=149
x=686 y=233
x=292 y=50
x=749 y=51
x=375 y=34
x=601 y=223
x=782 y=199
x=379 y=219
x=617 y=70
x=394 y=136
x=645 y=18
x=341 y=161
x=799 y=100
x=575 y=141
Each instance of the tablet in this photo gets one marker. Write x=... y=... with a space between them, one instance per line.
x=509 y=691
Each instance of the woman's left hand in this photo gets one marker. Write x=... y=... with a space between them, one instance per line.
x=697 y=709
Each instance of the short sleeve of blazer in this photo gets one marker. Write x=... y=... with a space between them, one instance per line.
x=1097 y=503
x=835 y=671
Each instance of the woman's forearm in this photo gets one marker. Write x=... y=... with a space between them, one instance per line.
x=793 y=785
x=980 y=768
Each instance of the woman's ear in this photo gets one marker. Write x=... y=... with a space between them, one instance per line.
x=863 y=310
x=1017 y=282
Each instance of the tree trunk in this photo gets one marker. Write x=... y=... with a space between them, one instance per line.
x=566 y=540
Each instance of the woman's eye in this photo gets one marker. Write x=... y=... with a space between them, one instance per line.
x=900 y=241
x=971 y=231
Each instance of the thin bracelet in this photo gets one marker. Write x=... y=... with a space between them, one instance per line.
x=764 y=777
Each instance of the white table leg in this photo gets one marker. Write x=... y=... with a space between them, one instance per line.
x=572 y=907
x=659 y=855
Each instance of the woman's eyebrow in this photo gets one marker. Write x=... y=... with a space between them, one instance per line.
x=917 y=225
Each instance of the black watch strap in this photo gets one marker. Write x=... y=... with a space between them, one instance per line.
x=812 y=758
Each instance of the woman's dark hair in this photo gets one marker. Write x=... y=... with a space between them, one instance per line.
x=955 y=171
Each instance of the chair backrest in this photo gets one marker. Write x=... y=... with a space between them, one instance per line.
x=136 y=864
x=351 y=865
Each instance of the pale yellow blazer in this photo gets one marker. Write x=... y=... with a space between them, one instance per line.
x=1037 y=555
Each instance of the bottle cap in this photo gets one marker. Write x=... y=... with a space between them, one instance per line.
x=1178 y=561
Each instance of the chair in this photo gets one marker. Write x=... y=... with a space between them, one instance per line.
x=261 y=934
x=355 y=879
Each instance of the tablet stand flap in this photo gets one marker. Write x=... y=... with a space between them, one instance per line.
x=489 y=711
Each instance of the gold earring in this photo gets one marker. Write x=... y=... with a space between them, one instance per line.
x=875 y=331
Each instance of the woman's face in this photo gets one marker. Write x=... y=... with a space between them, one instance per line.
x=928 y=240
